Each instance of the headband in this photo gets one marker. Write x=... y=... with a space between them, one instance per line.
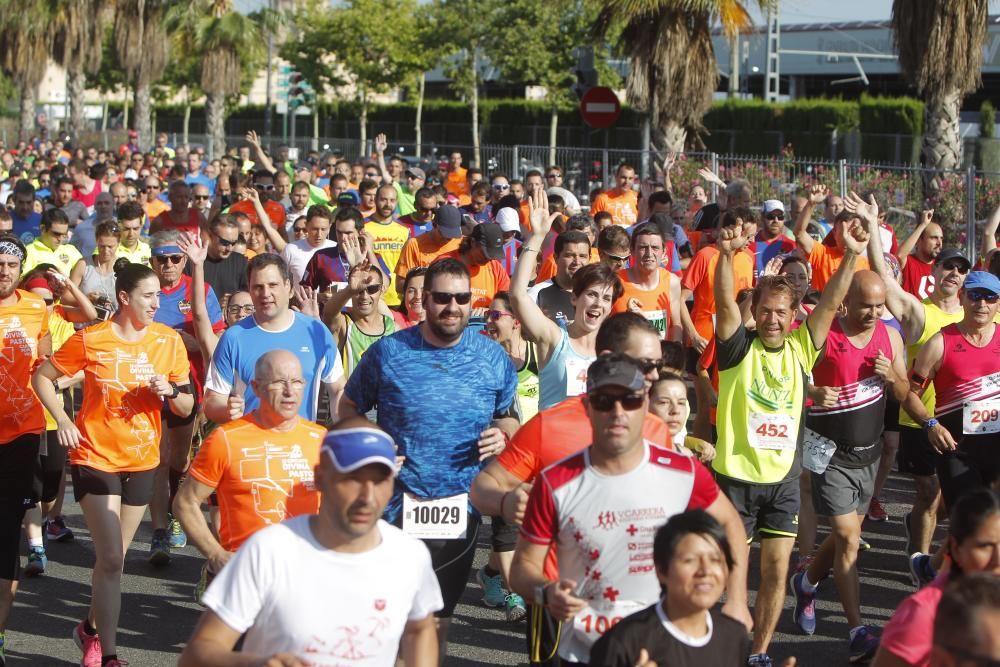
x=8 y=248
x=167 y=250
x=37 y=283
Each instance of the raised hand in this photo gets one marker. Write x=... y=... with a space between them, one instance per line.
x=711 y=176
x=352 y=250
x=926 y=216
x=308 y=299
x=856 y=238
x=381 y=143
x=251 y=194
x=773 y=267
x=192 y=247
x=818 y=194
x=866 y=210
x=252 y=138
x=732 y=239
x=359 y=277
x=538 y=207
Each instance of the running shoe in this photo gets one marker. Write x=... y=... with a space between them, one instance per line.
x=3 y=648
x=760 y=660
x=90 y=645
x=159 y=548
x=803 y=563
x=178 y=538
x=804 y=613
x=863 y=544
x=494 y=594
x=36 y=562
x=516 y=611
x=864 y=644
x=876 y=512
x=921 y=570
x=56 y=530
x=203 y=582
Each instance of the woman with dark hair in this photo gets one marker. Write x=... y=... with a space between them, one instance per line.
x=692 y=558
x=133 y=367
x=973 y=545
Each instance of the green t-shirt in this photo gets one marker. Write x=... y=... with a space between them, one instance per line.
x=405 y=200
x=761 y=410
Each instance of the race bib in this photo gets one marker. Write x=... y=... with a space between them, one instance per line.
x=772 y=431
x=980 y=417
x=576 y=376
x=869 y=389
x=436 y=519
x=817 y=450
x=591 y=623
x=658 y=318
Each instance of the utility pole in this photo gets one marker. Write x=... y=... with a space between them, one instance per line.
x=734 y=66
x=772 y=84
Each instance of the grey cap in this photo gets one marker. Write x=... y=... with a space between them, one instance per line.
x=615 y=370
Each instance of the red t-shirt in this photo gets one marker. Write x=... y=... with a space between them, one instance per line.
x=917 y=278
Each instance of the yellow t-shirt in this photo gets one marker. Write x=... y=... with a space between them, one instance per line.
x=935 y=319
x=388 y=242
x=64 y=257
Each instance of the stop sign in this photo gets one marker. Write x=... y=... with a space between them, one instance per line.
x=600 y=107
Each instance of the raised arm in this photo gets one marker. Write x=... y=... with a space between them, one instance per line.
x=535 y=326
x=687 y=323
x=820 y=319
x=84 y=310
x=906 y=247
x=203 y=332
x=728 y=319
x=676 y=331
x=817 y=195
x=262 y=159
x=990 y=233
x=275 y=236
x=380 y=145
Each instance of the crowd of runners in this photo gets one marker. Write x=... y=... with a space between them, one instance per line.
x=332 y=378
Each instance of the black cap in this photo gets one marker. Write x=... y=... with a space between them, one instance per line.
x=448 y=220
x=490 y=237
x=951 y=253
x=614 y=370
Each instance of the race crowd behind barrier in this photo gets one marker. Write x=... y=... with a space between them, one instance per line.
x=356 y=369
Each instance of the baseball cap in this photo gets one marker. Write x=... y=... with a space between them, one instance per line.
x=951 y=253
x=772 y=205
x=348 y=198
x=982 y=280
x=490 y=237
x=509 y=220
x=448 y=219
x=417 y=172
x=614 y=371
x=353 y=448
x=133 y=133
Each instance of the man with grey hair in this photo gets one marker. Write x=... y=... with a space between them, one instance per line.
x=225 y=270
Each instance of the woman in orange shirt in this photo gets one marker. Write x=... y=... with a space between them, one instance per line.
x=131 y=365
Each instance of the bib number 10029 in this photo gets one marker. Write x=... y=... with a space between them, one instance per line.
x=436 y=518
x=422 y=514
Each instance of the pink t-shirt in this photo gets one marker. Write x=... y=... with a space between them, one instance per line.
x=910 y=631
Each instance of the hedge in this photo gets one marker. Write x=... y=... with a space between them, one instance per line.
x=891 y=116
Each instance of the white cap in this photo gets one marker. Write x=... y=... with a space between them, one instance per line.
x=571 y=204
x=773 y=205
x=508 y=219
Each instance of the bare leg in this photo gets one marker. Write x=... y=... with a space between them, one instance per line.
x=442 y=630
x=890 y=445
x=8 y=589
x=807 y=517
x=175 y=448
x=923 y=519
x=774 y=554
x=840 y=550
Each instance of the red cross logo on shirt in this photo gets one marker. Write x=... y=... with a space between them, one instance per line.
x=596 y=575
x=595 y=554
x=610 y=593
x=631 y=530
x=578 y=536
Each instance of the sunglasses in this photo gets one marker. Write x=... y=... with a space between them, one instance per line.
x=371 y=175
x=606 y=403
x=444 y=298
x=372 y=290
x=299 y=230
x=202 y=197
x=173 y=259
x=494 y=315
x=261 y=186
x=225 y=243
x=618 y=258
x=236 y=310
x=775 y=216
x=982 y=295
x=647 y=366
x=152 y=187
x=551 y=175
x=500 y=187
x=953 y=265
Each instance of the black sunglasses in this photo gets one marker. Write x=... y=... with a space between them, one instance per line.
x=261 y=186
x=299 y=230
x=444 y=298
x=494 y=315
x=954 y=265
x=647 y=366
x=775 y=216
x=982 y=295
x=373 y=289
x=606 y=403
x=173 y=259
x=205 y=197
x=225 y=243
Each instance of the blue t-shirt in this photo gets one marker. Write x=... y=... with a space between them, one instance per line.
x=201 y=179
x=244 y=343
x=27 y=229
x=765 y=251
x=175 y=307
x=434 y=402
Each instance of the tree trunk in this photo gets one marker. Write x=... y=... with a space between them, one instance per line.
x=315 y=139
x=27 y=125
x=418 y=124
x=187 y=117
x=942 y=147
x=364 y=123
x=76 y=84
x=734 y=67
x=104 y=116
x=475 y=106
x=215 y=122
x=125 y=109
x=553 y=133
x=144 y=112
x=673 y=136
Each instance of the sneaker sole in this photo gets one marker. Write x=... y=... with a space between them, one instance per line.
x=159 y=559
x=517 y=616
x=795 y=608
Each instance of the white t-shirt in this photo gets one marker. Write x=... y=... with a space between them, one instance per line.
x=292 y=595
x=298 y=253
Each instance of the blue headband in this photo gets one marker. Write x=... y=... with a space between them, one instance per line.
x=167 y=250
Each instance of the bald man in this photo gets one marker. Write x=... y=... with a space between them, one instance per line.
x=861 y=363
x=260 y=466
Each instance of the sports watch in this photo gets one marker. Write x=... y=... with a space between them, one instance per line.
x=930 y=423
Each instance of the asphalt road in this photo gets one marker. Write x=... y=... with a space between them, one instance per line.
x=158 y=611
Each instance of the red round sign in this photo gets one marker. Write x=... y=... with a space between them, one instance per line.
x=600 y=108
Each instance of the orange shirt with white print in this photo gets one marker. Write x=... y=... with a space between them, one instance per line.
x=260 y=476
x=456 y=182
x=485 y=281
x=655 y=303
x=700 y=279
x=623 y=205
x=825 y=260
x=22 y=325
x=120 y=416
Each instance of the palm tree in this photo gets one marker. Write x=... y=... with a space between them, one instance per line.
x=25 y=43
x=78 y=46
x=673 y=69
x=231 y=44
x=940 y=46
x=142 y=44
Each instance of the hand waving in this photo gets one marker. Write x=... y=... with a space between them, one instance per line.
x=866 y=210
x=381 y=143
x=192 y=247
x=732 y=239
x=252 y=138
x=856 y=238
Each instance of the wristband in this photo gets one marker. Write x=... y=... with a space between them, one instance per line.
x=55 y=383
x=176 y=393
x=930 y=423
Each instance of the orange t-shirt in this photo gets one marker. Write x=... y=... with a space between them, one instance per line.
x=623 y=205
x=456 y=182
x=552 y=435
x=260 y=476
x=422 y=250
x=22 y=326
x=825 y=260
x=548 y=268
x=700 y=279
x=120 y=416
x=655 y=302
x=192 y=225
x=155 y=207
x=274 y=210
x=485 y=281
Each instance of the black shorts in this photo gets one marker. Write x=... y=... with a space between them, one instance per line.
x=49 y=468
x=891 y=421
x=772 y=510
x=17 y=466
x=135 y=488
x=974 y=465
x=503 y=537
x=171 y=420
x=916 y=455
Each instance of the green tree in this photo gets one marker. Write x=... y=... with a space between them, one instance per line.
x=142 y=44
x=109 y=79
x=79 y=31
x=673 y=70
x=25 y=43
x=940 y=46
x=180 y=80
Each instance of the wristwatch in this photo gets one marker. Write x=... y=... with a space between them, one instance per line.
x=176 y=389
x=930 y=423
x=540 y=594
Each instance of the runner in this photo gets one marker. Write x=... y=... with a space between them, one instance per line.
x=648 y=288
x=365 y=322
x=398 y=374
x=926 y=241
x=331 y=266
x=481 y=252
x=52 y=247
x=339 y=585
x=862 y=363
x=387 y=236
x=503 y=327
x=24 y=330
x=180 y=216
x=762 y=385
x=771 y=240
x=824 y=258
x=259 y=467
x=620 y=201
x=599 y=510
x=425 y=248
x=555 y=296
x=668 y=400
x=132 y=367
x=411 y=311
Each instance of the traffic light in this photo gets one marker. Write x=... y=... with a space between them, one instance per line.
x=296 y=90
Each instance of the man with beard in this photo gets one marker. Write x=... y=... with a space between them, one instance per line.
x=444 y=439
x=926 y=241
x=388 y=236
x=771 y=240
